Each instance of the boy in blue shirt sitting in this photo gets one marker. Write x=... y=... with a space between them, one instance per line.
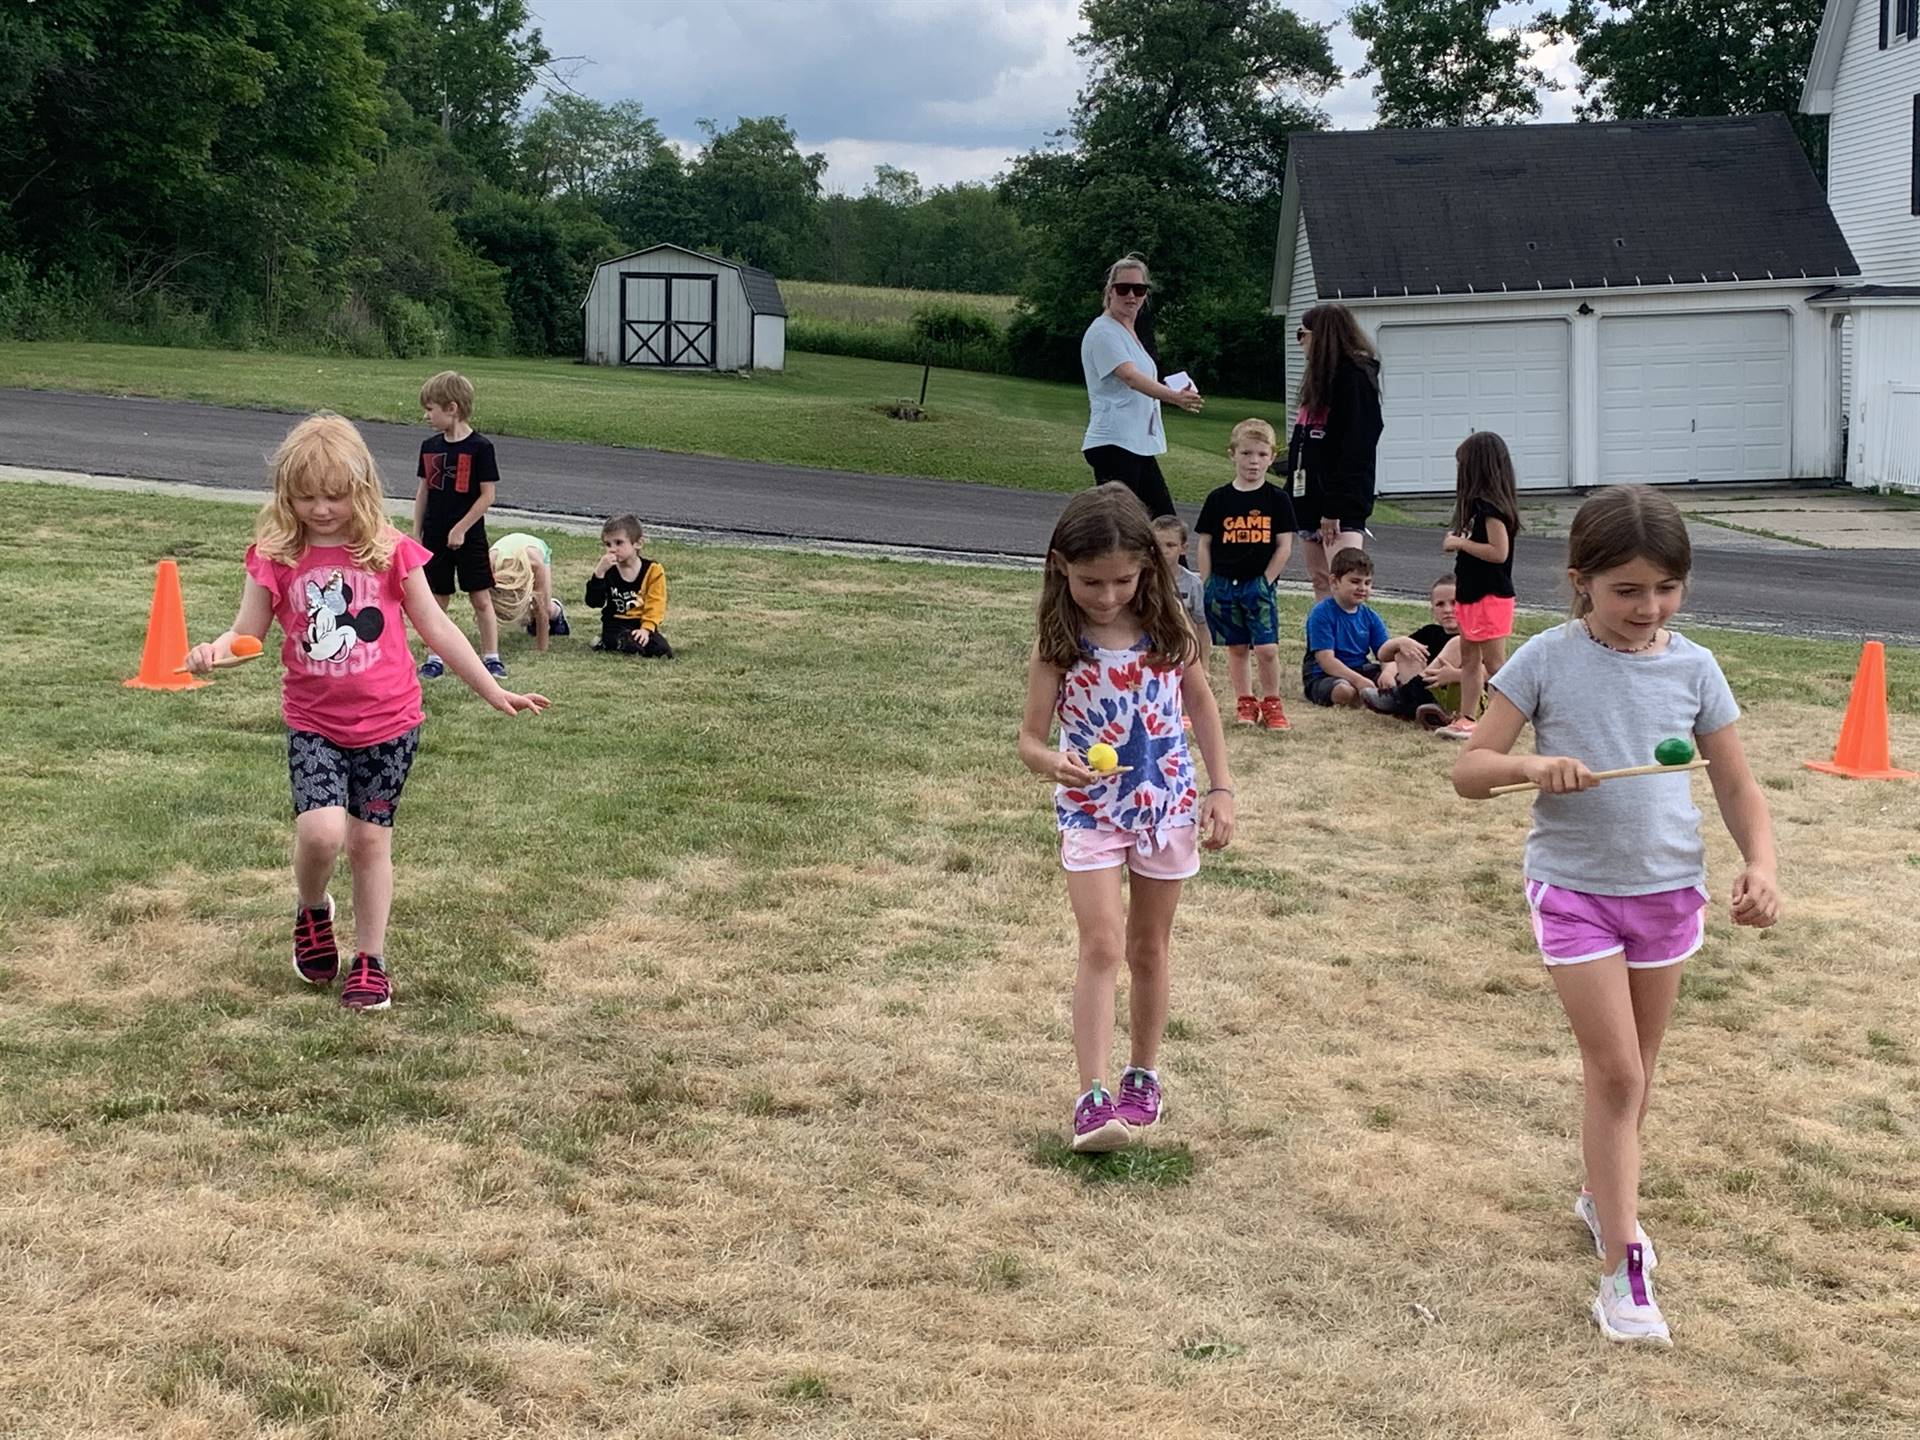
x=1346 y=641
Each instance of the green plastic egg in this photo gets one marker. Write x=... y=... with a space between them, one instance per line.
x=1673 y=752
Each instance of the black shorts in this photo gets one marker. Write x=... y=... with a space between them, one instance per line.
x=470 y=563
x=1139 y=473
x=625 y=640
x=1319 y=688
x=367 y=781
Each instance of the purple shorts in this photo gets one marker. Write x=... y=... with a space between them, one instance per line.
x=1176 y=857
x=1573 y=927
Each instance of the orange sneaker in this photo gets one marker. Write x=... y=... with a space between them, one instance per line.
x=1272 y=716
x=1246 y=710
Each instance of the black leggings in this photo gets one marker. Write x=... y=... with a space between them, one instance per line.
x=1139 y=473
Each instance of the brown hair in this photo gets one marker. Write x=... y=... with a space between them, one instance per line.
x=1097 y=522
x=1259 y=429
x=627 y=525
x=1337 y=340
x=1170 y=525
x=1624 y=523
x=1483 y=475
x=1351 y=561
x=1449 y=581
x=449 y=388
x=324 y=455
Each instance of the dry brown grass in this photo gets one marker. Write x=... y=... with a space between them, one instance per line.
x=761 y=1147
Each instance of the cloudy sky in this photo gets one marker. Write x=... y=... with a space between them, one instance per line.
x=948 y=89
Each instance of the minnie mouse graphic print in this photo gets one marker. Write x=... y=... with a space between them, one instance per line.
x=350 y=674
x=1145 y=816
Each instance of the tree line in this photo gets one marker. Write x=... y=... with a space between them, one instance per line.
x=406 y=176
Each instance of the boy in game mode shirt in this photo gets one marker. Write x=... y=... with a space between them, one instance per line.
x=1246 y=534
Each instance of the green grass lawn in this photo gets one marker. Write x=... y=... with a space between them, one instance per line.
x=823 y=410
x=725 y=1081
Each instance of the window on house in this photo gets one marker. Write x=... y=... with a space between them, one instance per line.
x=1906 y=20
x=1884 y=5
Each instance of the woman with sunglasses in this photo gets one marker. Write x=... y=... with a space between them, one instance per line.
x=1331 y=454
x=1124 y=392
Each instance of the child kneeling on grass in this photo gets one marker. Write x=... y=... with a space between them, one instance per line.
x=1616 y=875
x=338 y=577
x=1347 y=643
x=1114 y=666
x=631 y=591
x=523 y=587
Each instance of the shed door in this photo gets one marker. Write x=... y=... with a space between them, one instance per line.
x=1443 y=382
x=1694 y=397
x=669 y=320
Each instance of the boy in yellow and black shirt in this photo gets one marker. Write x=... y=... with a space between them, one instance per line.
x=631 y=591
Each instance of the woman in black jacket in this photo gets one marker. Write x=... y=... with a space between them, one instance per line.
x=1330 y=456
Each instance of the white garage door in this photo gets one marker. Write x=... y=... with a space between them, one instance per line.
x=1694 y=397
x=1443 y=382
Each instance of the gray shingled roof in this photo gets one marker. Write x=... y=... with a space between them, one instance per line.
x=763 y=291
x=1558 y=207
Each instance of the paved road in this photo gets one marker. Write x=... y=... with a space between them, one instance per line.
x=1812 y=592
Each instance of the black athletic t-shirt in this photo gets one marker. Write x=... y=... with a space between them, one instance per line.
x=1434 y=637
x=1474 y=578
x=1244 y=528
x=454 y=471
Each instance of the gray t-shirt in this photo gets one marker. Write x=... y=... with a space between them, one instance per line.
x=1193 y=595
x=1624 y=837
x=1120 y=415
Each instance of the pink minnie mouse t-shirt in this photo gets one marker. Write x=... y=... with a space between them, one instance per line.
x=349 y=670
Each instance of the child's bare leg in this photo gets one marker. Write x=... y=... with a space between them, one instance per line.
x=1654 y=993
x=317 y=838
x=1319 y=567
x=1100 y=914
x=370 y=851
x=1238 y=670
x=1344 y=693
x=1149 y=931
x=1267 y=658
x=485 y=621
x=1473 y=678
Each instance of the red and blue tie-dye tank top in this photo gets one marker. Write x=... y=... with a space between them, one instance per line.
x=1116 y=697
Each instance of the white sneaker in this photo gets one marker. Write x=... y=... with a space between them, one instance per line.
x=1585 y=1209
x=1461 y=729
x=1625 y=1309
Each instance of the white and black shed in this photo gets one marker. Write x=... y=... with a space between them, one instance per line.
x=674 y=308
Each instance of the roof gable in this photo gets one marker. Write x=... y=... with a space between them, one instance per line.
x=763 y=291
x=1561 y=207
x=1823 y=71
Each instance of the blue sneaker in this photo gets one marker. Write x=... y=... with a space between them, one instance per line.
x=431 y=668
x=496 y=667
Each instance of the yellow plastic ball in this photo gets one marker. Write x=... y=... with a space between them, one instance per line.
x=1102 y=759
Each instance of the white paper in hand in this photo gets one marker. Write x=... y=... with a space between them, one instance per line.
x=1179 y=380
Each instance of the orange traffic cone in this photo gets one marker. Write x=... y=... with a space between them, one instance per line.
x=1864 y=752
x=166 y=648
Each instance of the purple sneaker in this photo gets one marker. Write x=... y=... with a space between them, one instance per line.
x=1097 y=1126
x=1140 y=1100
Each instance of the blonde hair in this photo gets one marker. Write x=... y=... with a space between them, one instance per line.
x=1170 y=525
x=1132 y=260
x=512 y=588
x=324 y=455
x=449 y=388
x=1259 y=429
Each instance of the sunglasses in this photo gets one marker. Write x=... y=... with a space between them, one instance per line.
x=1301 y=334
x=1128 y=287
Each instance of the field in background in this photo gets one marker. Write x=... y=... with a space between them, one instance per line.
x=823 y=410
x=724 y=1089
x=873 y=305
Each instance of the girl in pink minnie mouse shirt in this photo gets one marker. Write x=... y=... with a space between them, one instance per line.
x=1115 y=664
x=326 y=564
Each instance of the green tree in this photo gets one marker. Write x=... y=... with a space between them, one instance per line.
x=459 y=69
x=1440 y=62
x=547 y=256
x=1653 y=59
x=756 y=193
x=1179 y=152
x=583 y=150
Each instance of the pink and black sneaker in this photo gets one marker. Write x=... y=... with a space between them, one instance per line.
x=316 y=959
x=367 y=986
x=1140 y=1100
x=1097 y=1126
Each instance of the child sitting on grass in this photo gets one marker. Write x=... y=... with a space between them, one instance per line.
x=631 y=591
x=1347 y=643
x=1423 y=682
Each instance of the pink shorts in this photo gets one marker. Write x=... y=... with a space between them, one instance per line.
x=1573 y=927
x=1488 y=618
x=1177 y=857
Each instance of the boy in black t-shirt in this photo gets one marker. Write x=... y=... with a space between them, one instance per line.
x=1246 y=535
x=1424 y=685
x=457 y=478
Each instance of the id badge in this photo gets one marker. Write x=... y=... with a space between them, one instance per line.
x=1298 y=488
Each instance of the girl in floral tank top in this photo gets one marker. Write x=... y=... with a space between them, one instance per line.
x=1114 y=668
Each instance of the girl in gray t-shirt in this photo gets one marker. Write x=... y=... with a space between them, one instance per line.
x=1616 y=871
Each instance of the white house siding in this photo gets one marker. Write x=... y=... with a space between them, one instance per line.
x=1300 y=296
x=732 y=315
x=1870 y=150
x=769 y=342
x=1883 y=433
x=1811 y=419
